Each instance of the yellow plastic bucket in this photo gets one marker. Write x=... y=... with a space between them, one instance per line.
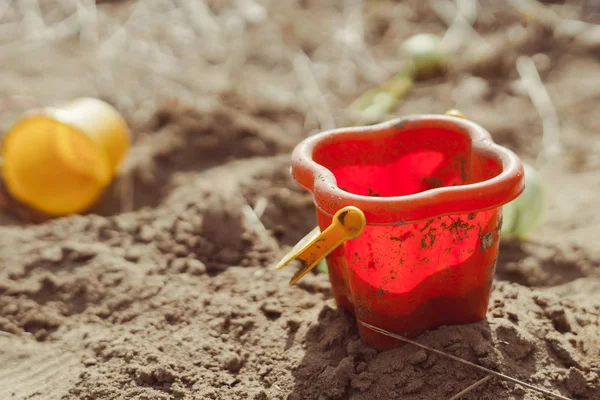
x=60 y=160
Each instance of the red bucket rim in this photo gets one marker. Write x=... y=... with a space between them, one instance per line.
x=464 y=199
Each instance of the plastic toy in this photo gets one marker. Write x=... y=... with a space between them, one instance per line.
x=409 y=214
x=58 y=161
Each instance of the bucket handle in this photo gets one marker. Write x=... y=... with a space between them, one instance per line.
x=347 y=223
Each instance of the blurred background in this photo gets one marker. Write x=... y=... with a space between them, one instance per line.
x=525 y=70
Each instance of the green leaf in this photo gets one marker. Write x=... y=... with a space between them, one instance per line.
x=322 y=267
x=525 y=214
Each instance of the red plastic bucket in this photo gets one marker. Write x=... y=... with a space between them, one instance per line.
x=431 y=188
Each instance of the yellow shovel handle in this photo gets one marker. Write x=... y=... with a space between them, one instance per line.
x=347 y=223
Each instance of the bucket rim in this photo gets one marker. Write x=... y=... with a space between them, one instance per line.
x=462 y=199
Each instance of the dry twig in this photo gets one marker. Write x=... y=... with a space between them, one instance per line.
x=542 y=102
x=460 y=360
x=471 y=388
x=303 y=68
x=258 y=226
x=260 y=206
x=579 y=30
x=459 y=20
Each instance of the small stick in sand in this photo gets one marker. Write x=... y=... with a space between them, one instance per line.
x=303 y=68
x=88 y=22
x=127 y=190
x=260 y=206
x=471 y=387
x=117 y=39
x=355 y=48
x=460 y=360
x=542 y=102
x=258 y=226
x=50 y=35
x=580 y=31
x=235 y=29
x=202 y=19
x=459 y=20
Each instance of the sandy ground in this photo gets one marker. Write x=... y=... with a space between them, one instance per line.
x=166 y=290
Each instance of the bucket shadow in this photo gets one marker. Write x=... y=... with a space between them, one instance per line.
x=338 y=365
